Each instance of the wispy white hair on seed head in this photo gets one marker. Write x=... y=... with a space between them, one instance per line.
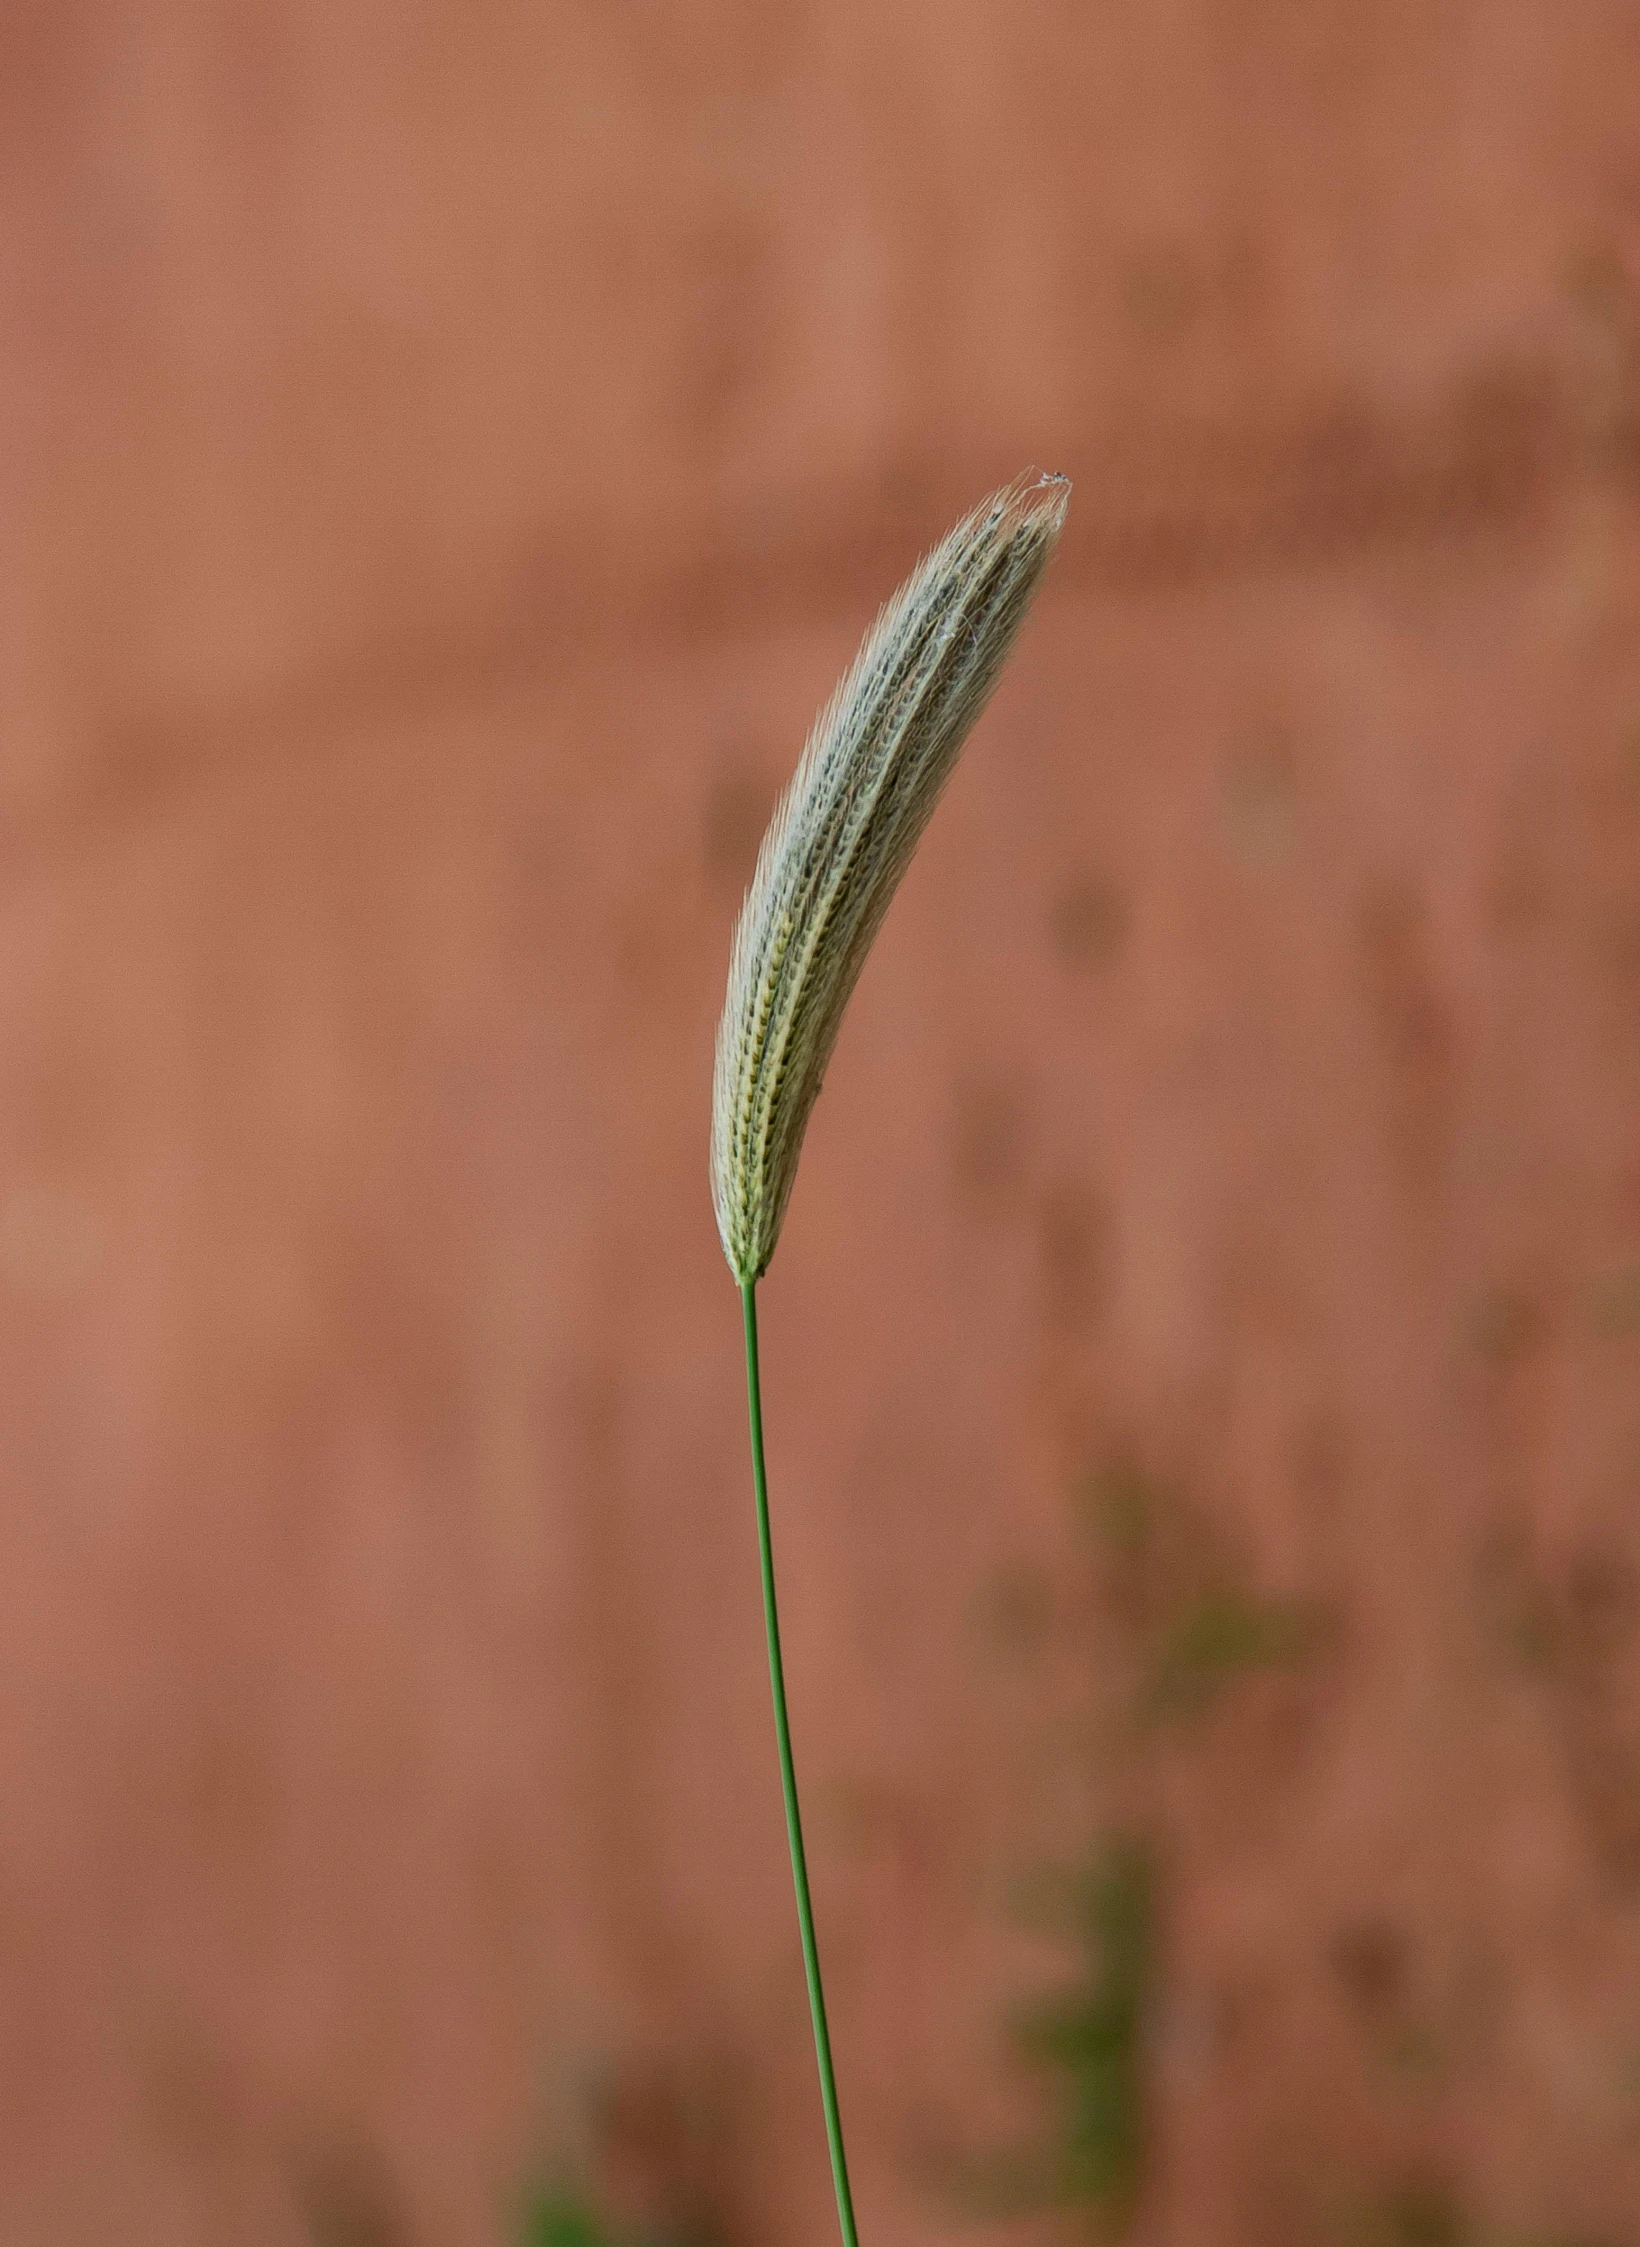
x=843 y=834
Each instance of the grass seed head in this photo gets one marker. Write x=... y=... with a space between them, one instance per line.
x=843 y=834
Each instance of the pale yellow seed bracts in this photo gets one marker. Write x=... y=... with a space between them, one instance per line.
x=843 y=834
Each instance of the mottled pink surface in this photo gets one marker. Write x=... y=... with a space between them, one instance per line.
x=446 y=456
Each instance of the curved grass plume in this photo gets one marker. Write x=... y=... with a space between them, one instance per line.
x=841 y=837
x=843 y=834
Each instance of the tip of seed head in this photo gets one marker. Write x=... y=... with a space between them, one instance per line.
x=1039 y=497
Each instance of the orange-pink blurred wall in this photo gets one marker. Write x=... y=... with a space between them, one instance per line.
x=446 y=455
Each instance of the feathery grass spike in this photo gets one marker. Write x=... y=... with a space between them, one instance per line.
x=842 y=836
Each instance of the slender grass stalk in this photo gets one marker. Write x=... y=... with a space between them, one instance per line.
x=788 y=1784
x=839 y=841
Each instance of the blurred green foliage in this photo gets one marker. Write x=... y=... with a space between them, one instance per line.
x=1424 y=2213
x=1088 y=2040
x=1189 y=1626
x=554 y=2216
x=1219 y=1637
x=558 y=2214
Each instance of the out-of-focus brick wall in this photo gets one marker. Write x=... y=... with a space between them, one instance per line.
x=446 y=455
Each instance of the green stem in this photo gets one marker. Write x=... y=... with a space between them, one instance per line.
x=788 y=1782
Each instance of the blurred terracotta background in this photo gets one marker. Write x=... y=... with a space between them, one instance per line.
x=446 y=455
